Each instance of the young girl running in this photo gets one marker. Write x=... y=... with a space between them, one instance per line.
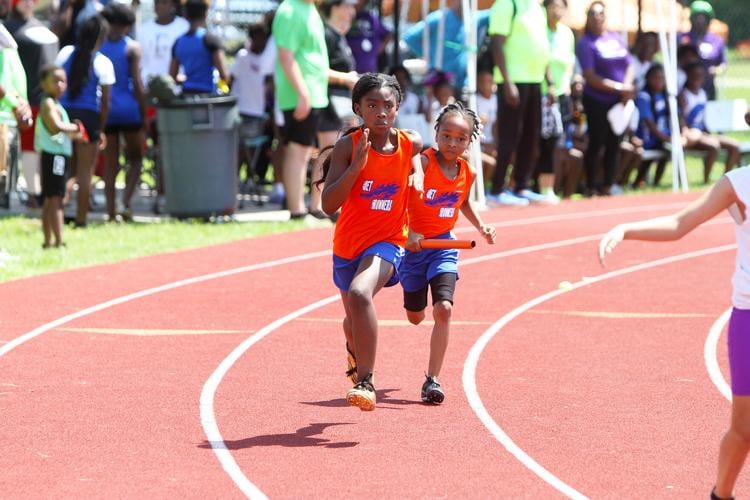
x=731 y=192
x=52 y=138
x=447 y=183
x=368 y=175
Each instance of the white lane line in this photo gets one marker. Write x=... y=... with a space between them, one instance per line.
x=472 y=361
x=709 y=355
x=567 y=216
x=6 y=348
x=208 y=416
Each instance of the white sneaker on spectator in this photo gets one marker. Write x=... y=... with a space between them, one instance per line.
x=532 y=197
x=507 y=198
x=550 y=199
x=616 y=190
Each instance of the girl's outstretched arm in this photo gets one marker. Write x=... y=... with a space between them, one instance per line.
x=472 y=215
x=673 y=227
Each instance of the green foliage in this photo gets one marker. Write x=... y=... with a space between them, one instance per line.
x=106 y=243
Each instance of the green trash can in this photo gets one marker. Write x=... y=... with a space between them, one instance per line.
x=199 y=142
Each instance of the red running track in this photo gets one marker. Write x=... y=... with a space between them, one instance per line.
x=232 y=384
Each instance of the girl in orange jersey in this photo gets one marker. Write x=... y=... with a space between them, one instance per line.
x=447 y=182
x=368 y=175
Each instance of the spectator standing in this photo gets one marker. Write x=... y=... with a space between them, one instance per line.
x=198 y=52
x=157 y=37
x=487 y=113
x=605 y=62
x=338 y=16
x=127 y=112
x=91 y=76
x=454 y=43
x=367 y=38
x=710 y=46
x=14 y=110
x=37 y=47
x=67 y=22
x=301 y=89
x=52 y=138
x=555 y=95
x=521 y=52
x=251 y=81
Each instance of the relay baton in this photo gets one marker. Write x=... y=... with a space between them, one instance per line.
x=432 y=244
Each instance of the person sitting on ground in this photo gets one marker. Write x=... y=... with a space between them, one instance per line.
x=198 y=52
x=693 y=99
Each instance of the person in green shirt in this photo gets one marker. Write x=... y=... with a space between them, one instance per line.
x=555 y=96
x=520 y=49
x=302 y=90
x=15 y=112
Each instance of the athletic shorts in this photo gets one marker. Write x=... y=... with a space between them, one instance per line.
x=344 y=270
x=53 y=174
x=303 y=132
x=442 y=287
x=116 y=128
x=738 y=340
x=91 y=122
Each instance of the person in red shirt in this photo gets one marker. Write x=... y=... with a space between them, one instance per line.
x=448 y=178
x=368 y=175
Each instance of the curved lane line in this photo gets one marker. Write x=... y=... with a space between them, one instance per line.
x=472 y=360
x=208 y=417
x=22 y=339
x=6 y=348
x=709 y=354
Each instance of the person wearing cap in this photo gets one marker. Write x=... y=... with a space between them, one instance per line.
x=710 y=46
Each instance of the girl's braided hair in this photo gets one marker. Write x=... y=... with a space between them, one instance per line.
x=366 y=83
x=458 y=108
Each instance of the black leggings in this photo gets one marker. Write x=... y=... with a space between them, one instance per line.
x=600 y=136
x=518 y=131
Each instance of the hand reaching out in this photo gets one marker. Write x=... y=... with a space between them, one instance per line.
x=412 y=243
x=488 y=232
x=609 y=242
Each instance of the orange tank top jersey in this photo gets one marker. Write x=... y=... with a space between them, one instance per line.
x=375 y=210
x=438 y=211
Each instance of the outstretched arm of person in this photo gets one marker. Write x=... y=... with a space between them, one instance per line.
x=472 y=215
x=673 y=227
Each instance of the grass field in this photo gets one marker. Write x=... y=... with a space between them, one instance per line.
x=21 y=253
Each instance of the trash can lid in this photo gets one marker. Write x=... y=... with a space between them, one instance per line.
x=199 y=100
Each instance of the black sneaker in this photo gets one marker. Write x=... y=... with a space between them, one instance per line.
x=362 y=395
x=351 y=365
x=432 y=392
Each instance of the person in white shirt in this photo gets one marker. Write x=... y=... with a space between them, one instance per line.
x=251 y=81
x=731 y=193
x=157 y=38
x=487 y=113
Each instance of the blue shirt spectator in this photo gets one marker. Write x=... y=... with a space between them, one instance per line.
x=454 y=46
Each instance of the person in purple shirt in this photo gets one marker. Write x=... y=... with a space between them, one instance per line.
x=367 y=39
x=608 y=74
x=710 y=45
